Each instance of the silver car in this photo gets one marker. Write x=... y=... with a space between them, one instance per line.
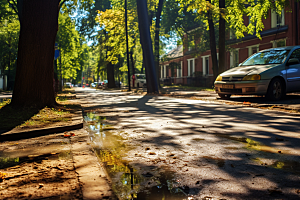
x=271 y=72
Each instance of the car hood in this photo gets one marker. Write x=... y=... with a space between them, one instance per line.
x=248 y=70
x=142 y=80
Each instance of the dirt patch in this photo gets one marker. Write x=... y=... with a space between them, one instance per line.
x=38 y=168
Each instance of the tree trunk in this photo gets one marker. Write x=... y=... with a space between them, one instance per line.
x=222 y=39
x=212 y=42
x=156 y=44
x=148 y=57
x=111 y=75
x=127 y=46
x=34 y=76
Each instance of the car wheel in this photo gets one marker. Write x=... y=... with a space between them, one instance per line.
x=224 y=96
x=276 y=90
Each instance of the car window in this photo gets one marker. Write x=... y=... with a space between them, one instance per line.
x=267 y=57
x=141 y=76
x=296 y=54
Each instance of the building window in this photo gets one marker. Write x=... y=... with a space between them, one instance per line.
x=179 y=70
x=205 y=65
x=252 y=50
x=191 y=66
x=279 y=43
x=277 y=20
x=234 y=58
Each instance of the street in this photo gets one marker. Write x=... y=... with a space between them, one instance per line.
x=181 y=148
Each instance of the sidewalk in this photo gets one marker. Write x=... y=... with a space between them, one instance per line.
x=54 y=163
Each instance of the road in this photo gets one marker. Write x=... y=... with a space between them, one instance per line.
x=182 y=148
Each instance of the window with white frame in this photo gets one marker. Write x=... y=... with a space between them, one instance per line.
x=179 y=70
x=253 y=49
x=191 y=66
x=234 y=58
x=205 y=65
x=167 y=71
x=279 y=43
x=277 y=19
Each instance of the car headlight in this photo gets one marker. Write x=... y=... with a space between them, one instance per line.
x=219 y=78
x=254 y=77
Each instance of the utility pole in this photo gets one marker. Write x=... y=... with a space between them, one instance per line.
x=129 y=88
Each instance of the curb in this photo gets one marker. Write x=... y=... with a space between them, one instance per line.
x=40 y=132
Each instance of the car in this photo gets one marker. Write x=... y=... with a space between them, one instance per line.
x=68 y=85
x=93 y=85
x=270 y=72
x=140 y=80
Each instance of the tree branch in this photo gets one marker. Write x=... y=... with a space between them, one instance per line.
x=62 y=3
x=14 y=6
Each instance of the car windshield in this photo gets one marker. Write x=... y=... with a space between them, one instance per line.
x=267 y=58
x=140 y=76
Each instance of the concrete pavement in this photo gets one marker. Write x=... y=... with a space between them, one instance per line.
x=201 y=149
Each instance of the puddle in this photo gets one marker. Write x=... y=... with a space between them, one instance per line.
x=130 y=182
x=252 y=144
x=291 y=166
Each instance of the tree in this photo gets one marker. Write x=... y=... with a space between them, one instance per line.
x=152 y=86
x=34 y=76
x=233 y=12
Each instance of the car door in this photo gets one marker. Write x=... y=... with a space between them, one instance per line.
x=293 y=73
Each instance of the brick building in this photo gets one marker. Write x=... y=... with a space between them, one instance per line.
x=195 y=69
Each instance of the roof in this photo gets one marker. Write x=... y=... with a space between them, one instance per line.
x=263 y=34
x=175 y=53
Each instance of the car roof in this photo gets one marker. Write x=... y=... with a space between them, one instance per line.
x=281 y=48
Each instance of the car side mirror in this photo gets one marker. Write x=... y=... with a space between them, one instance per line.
x=240 y=64
x=293 y=61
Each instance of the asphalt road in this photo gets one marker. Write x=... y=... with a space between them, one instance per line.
x=199 y=149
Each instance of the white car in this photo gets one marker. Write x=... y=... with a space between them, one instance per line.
x=140 y=80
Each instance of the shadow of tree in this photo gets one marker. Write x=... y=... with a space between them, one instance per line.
x=248 y=172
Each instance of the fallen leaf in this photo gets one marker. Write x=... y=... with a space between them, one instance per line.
x=67 y=136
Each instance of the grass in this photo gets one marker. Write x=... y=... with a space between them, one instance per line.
x=31 y=117
x=47 y=116
x=190 y=88
x=4 y=102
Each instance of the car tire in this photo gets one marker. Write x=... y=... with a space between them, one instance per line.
x=276 y=90
x=224 y=96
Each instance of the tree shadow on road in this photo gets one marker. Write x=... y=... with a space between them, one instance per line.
x=255 y=144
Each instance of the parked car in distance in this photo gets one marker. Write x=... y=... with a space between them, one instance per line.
x=68 y=85
x=140 y=80
x=270 y=72
x=93 y=85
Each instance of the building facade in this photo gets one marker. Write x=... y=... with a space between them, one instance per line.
x=195 y=69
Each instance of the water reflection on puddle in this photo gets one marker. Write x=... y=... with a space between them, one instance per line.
x=144 y=183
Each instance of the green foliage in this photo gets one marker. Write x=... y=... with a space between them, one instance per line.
x=70 y=46
x=9 y=37
x=235 y=11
